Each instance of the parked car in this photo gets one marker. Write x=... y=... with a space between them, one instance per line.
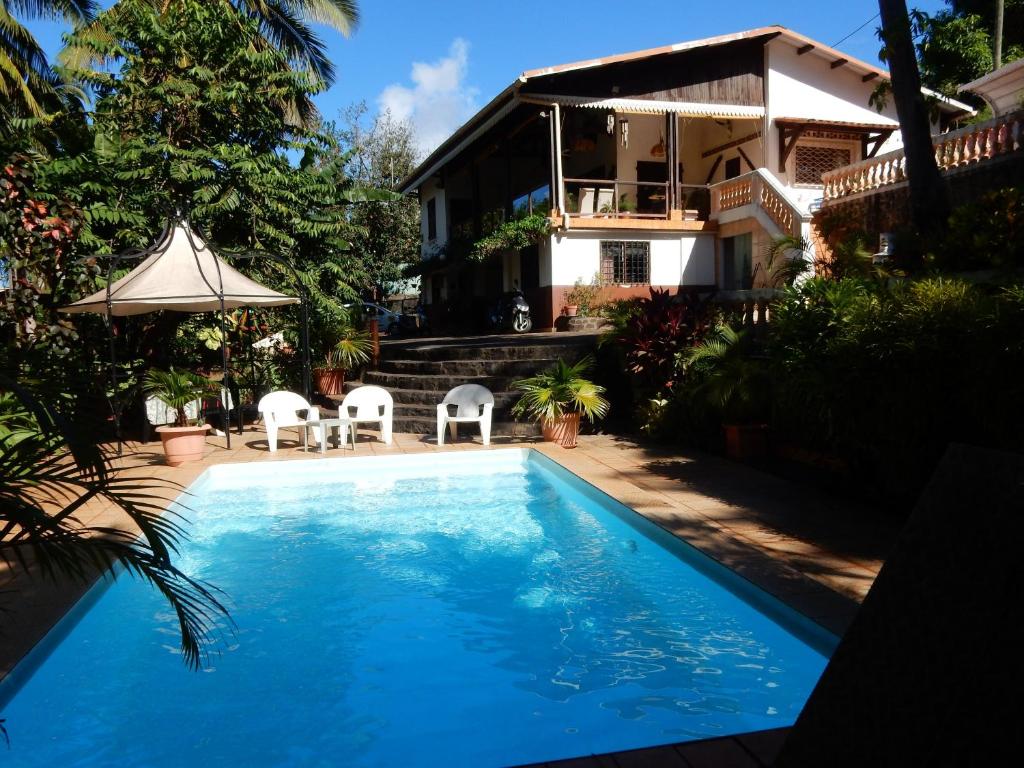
x=387 y=321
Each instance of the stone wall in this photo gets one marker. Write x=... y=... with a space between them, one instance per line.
x=888 y=209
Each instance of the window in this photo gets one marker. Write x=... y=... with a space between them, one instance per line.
x=813 y=160
x=736 y=262
x=432 y=219
x=626 y=262
x=732 y=168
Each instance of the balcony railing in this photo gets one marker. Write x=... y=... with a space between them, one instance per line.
x=954 y=150
x=606 y=198
x=760 y=189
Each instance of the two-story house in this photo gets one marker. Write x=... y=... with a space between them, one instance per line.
x=671 y=167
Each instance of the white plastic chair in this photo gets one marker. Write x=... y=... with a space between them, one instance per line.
x=281 y=410
x=473 y=403
x=369 y=405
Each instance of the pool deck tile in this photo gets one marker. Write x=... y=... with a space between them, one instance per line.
x=816 y=553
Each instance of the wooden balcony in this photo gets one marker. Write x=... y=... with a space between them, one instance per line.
x=637 y=205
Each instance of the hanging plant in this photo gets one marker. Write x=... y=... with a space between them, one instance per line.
x=512 y=235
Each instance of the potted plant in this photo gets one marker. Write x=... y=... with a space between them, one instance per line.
x=559 y=397
x=352 y=349
x=184 y=440
x=734 y=383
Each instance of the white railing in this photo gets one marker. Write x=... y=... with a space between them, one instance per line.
x=956 y=149
x=761 y=189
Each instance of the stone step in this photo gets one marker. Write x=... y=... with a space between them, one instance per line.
x=429 y=398
x=502 y=406
x=431 y=382
x=492 y=350
x=428 y=426
x=466 y=368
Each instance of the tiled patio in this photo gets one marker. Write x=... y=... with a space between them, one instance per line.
x=816 y=553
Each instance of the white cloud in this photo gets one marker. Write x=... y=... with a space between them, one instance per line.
x=439 y=100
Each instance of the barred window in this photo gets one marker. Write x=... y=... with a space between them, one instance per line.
x=812 y=161
x=625 y=262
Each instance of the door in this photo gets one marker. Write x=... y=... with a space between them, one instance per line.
x=651 y=199
x=732 y=168
x=737 y=272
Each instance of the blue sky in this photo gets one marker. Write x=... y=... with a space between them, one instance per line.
x=437 y=62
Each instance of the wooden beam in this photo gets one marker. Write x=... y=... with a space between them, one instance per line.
x=804 y=49
x=876 y=143
x=869 y=77
x=787 y=141
x=838 y=63
x=721 y=148
x=714 y=167
x=746 y=159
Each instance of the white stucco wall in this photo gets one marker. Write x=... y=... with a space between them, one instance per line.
x=684 y=258
x=806 y=86
x=429 y=191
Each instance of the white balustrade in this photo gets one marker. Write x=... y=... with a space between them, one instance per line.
x=957 y=149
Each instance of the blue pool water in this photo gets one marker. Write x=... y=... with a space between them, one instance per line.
x=485 y=609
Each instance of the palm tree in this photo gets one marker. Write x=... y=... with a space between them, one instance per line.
x=29 y=87
x=929 y=195
x=49 y=470
x=284 y=24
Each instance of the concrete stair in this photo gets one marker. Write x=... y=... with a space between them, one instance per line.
x=419 y=373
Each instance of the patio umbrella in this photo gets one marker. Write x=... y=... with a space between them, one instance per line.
x=181 y=273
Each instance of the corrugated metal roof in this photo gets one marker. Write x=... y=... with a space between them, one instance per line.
x=651 y=106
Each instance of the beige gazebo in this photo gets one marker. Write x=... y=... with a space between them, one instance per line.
x=181 y=273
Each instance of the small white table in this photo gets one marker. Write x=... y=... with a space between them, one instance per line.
x=343 y=425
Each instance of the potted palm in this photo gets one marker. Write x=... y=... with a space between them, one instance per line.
x=734 y=383
x=352 y=349
x=184 y=440
x=558 y=398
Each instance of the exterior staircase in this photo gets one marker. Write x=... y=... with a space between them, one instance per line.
x=418 y=374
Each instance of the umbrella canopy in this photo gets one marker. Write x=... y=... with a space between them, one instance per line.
x=181 y=274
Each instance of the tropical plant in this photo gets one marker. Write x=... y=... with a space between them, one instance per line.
x=729 y=379
x=586 y=297
x=512 y=235
x=282 y=25
x=29 y=86
x=380 y=153
x=561 y=390
x=50 y=469
x=352 y=348
x=176 y=389
x=653 y=333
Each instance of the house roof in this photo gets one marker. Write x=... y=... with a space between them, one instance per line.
x=838 y=125
x=509 y=98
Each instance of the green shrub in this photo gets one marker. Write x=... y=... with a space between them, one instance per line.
x=884 y=377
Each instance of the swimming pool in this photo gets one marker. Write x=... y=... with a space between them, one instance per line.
x=462 y=609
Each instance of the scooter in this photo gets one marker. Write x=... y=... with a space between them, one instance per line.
x=513 y=312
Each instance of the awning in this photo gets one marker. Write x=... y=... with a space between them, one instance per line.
x=181 y=274
x=839 y=126
x=652 y=106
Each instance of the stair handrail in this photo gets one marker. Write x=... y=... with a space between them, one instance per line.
x=761 y=188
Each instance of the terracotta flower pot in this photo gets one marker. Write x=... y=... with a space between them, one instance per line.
x=183 y=444
x=329 y=381
x=571 y=310
x=746 y=441
x=563 y=430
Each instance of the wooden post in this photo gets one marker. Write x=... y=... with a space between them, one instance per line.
x=560 y=192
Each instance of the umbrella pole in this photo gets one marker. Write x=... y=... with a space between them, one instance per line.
x=225 y=422
x=113 y=381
